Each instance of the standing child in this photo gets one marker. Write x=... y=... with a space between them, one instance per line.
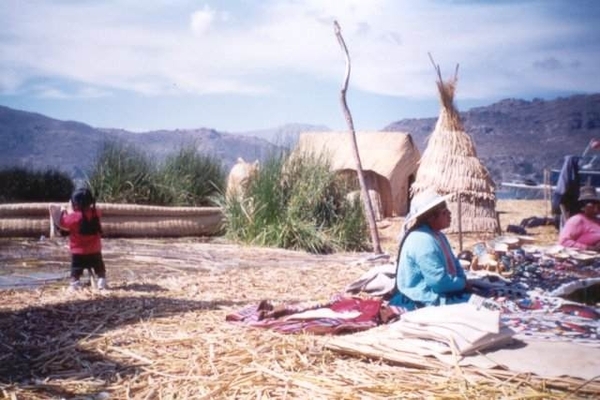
x=85 y=233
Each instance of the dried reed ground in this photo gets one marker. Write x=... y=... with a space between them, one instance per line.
x=160 y=332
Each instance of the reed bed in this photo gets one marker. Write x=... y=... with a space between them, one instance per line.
x=160 y=331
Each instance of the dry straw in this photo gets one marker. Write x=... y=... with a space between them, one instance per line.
x=160 y=332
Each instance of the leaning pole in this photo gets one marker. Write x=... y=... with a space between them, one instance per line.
x=359 y=171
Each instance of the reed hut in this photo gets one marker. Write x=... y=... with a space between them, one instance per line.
x=389 y=162
x=449 y=164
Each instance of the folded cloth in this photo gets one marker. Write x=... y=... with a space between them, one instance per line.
x=464 y=327
x=547 y=359
x=461 y=313
x=378 y=281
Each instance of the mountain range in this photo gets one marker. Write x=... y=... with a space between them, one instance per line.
x=513 y=137
x=518 y=139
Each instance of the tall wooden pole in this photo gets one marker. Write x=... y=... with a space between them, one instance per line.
x=460 y=232
x=359 y=171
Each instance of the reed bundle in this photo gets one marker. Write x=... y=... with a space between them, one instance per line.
x=118 y=220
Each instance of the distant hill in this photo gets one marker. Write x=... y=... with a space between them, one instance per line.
x=518 y=138
x=286 y=135
x=35 y=141
x=512 y=137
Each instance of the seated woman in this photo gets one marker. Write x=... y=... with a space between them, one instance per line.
x=428 y=273
x=582 y=230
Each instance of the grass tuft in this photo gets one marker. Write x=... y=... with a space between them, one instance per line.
x=297 y=203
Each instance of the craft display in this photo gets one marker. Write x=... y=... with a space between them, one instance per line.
x=526 y=298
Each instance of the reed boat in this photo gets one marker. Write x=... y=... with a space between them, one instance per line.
x=118 y=220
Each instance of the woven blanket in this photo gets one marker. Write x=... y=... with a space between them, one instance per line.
x=340 y=315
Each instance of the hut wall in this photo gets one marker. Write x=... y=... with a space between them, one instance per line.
x=475 y=217
x=391 y=155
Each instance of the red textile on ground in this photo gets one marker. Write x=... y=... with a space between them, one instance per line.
x=278 y=318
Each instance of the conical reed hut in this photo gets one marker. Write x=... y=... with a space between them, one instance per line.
x=449 y=164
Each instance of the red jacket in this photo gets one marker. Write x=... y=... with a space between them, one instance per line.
x=78 y=243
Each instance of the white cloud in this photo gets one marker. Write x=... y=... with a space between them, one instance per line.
x=51 y=92
x=155 y=48
x=9 y=80
x=201 y=20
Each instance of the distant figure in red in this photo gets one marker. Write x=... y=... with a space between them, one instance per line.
x=582 y=230
x=85 y=234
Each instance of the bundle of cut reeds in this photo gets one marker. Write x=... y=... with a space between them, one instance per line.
x=118 y=220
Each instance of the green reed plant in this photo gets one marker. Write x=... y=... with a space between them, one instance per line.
x=297 y=203
x=189 y=178
x=351 y=230
x=123 y=174
x=248 y=218
x=18 y=184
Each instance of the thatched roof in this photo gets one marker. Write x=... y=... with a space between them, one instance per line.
x=391 y=155
x=450 y=165
x=381 y=152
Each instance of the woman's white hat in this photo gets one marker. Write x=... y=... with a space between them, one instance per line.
x=420 y=204
x=423 y=202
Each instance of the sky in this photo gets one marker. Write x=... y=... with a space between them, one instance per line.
x=243 y=65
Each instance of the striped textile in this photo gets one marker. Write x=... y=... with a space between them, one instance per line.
x=367 y=313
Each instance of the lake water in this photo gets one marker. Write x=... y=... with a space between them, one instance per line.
x=30 y=263
x=519 y=194
x=30 y=280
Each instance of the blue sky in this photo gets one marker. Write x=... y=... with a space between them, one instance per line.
x=241 y=65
